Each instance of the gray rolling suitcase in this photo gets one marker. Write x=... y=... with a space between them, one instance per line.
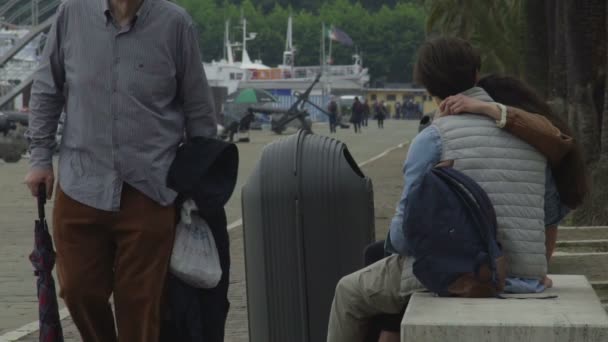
x=308 y=213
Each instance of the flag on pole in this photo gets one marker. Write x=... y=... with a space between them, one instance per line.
x=339 y=36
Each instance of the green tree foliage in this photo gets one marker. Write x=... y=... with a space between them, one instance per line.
x=387 y=36
x=495 y=27
x=314 y=5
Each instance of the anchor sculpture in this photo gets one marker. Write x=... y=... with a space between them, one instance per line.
x=296 y=111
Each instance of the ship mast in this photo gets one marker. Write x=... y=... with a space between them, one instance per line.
x=228 y=55
x=245 y=60
x=288 y=54
x=326 y=86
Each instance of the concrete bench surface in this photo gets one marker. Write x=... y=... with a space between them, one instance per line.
x=575 y=316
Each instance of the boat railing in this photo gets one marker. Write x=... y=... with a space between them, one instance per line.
x=304 y=72
x=18 y=64
x=17 y=70
x=344 y=70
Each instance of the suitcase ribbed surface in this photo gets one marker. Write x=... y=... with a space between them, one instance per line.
x=307 y=216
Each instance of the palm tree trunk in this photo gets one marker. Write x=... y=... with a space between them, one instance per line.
x=556 y=22
x=582 y=110
x=536 y=46
x=604 y=136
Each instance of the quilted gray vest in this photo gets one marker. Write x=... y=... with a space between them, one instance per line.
x=512 y=173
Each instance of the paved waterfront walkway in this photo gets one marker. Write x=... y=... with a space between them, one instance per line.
x=579 y=250
x=17 y=301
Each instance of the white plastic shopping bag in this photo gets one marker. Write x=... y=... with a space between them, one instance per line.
x=195 y=259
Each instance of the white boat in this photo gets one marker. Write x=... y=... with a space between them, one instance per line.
x=228 y=73
x=285 y=78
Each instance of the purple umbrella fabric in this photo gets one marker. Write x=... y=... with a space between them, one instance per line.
x=43 y=260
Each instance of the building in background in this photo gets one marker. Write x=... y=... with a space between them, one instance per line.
x=403 y=94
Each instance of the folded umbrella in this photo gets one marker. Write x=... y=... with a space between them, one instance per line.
x=43 y=260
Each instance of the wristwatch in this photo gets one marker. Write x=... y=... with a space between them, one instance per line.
x=503 y=115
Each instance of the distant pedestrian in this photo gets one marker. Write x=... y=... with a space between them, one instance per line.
x=380 y=114
x=333 y=114
x=232 y=130
x=398 y=110
x=357 y=115
x=245 y=126
x=411 y=110
x=366 y=113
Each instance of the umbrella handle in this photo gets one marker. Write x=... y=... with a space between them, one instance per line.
x=41 y=200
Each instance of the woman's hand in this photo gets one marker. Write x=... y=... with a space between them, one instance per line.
x=458 y=104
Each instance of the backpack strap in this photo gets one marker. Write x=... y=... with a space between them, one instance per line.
x=479 y=200
x=479 y=205
x=481 y=197
x=482 y=200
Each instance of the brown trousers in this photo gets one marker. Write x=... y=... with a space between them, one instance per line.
x=125 y=254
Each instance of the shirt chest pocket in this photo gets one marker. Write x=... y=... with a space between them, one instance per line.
x=152 y=81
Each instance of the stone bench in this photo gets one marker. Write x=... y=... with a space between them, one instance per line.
x=575 y=316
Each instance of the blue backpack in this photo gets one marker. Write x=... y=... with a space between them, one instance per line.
x=450 y=227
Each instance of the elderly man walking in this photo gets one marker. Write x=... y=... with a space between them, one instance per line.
x=130 y=76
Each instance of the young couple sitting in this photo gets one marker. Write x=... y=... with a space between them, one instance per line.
x=507 y=140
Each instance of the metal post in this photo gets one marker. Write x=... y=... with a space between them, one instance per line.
x=323 y=33
x=323 y=61
x=35 y=12
x=330 y=51
x=244 y=36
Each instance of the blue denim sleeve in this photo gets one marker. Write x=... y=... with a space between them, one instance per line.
x=424 y=153
x=555 y=211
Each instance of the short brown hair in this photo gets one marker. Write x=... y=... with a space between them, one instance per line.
x=447 y=66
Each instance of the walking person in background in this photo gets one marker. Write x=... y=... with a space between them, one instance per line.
x=398 y=110
x=333 y=114
x=380 y=114
x=136 y=85
x=356 y=115
x=366 y=113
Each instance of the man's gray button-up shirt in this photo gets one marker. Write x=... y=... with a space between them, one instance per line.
x=130 y=94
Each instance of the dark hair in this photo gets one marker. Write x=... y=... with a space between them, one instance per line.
x=446 y=66
x=570 y=174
